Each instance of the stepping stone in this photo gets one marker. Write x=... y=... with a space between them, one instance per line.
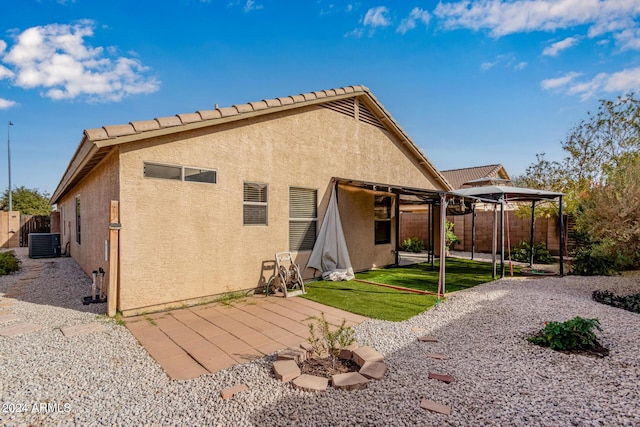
x=432 y=406
x=417 y=329
x=441 y=377
x=228 y=393
x=437 y=356
x=9 y=317
x=286 y=370
x=349 y=381
x=84 y=329
x=310 y=383
x=373 y=370
x=308 y=348
x=361 y=355
x=347 y=352
x=427 y=338
x=296 y=354
x=19 y=329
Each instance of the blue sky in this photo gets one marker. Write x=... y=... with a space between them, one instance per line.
x=472 y=82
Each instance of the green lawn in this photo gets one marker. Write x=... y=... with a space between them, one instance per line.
x=372 y=301
x=383 y=303
x=460 y=274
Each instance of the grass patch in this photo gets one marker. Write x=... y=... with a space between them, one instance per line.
x=369 y=300
x=383 y=303
x=460 y=274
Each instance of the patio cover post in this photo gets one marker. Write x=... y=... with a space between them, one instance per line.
x=114 y=231
x=502 y=239
x=432 y=237
x=473 y=230
x=561 y=238
x=397 y=213
x=533 y=229
x=494 y=242
x=443 y=219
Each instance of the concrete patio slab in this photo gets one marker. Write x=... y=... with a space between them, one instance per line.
x=193 y=341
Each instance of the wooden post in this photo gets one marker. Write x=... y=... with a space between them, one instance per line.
x=114 y=230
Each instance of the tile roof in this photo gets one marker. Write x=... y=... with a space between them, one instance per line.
x=98 y=142
x=459 y=177
x=132 y=128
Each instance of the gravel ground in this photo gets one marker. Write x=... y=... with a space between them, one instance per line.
x=107 y=378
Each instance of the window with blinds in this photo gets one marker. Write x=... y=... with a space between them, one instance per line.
x=303 y=218
x=254 y=204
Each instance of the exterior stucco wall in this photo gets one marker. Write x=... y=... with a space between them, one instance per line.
x=95 y=192
x=185 y=240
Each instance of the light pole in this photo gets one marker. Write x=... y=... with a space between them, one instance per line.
x=9 y=161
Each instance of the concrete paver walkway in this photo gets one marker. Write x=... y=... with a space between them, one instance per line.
x=193 y=341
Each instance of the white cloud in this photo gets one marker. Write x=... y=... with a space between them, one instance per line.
x=355 y=33
x=5 y=73
x=56 y=58
x=416 y=15
x=5 y=104
x=557 y=47
x=559 y=81
x=502 y=17
x=507 y=60
x=251 y=5
x=627 y=80
x=377 y=17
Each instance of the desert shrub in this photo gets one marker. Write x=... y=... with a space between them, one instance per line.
x=626 y=302
x=574 y=334
x=324 y=340
x=412 y=244
x=450 y=238
x=541 y=254
x=8 y=263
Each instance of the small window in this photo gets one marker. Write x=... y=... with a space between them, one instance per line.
x=382 y=218
x=200 y=175
x=152 y=170
x=303 y=218
x=78 y=239
x=254 y=204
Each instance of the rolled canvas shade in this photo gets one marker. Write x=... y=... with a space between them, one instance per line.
x=330 y=255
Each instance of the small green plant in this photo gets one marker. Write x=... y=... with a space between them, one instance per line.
x=229 y=297
x=8 y=263
x=626 y=302
x=522 y=252
x=575 y=334
x=450 y=238
x=323 y=340
x=150 y=320
x=412 y=244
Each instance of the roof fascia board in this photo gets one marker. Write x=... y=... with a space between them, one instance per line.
x=391 y=124
x=83 y=154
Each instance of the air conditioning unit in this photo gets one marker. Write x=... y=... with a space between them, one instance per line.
x=44 y=245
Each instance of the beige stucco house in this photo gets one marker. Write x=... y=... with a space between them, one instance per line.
x=206 y=199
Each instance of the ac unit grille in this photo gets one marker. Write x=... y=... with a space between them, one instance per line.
x=44 y=245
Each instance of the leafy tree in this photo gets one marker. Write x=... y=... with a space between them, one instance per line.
x=592 y=148
x=27 y=201
x=610 y=213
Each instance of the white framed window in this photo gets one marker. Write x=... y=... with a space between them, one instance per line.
x=255 y=203
x=180 y=173
x=303 y=218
